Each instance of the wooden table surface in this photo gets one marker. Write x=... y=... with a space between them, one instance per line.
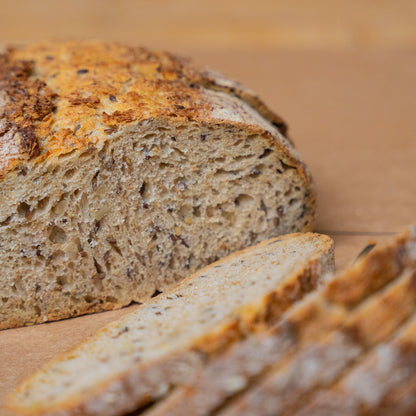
x=343 y=75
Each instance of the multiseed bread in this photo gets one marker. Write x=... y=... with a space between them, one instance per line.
x=122 y=170
x=283 y=389
x=314 y=343
x=382 y=383
x=140 y=357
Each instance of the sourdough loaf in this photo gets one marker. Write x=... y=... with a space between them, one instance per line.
x=122 y=170
x=140 y=357
x=273 y=373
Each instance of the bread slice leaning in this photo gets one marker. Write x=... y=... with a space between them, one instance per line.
x=383 y=383
x=319 y=364
x=124 y=170
x=367 y=325
x=164 y=342
x=313 y=343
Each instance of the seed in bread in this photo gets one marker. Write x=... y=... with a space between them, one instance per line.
x=164 y=342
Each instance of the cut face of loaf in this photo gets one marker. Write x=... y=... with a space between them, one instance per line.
x=273 y=372
x=139 y=357
x=131 y=170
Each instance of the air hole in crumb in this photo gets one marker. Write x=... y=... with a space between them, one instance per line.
x=292 y=201
x=23 y=209
x=98 y=284
x=6 y=221
x=265 y=153
x=69 y=173
x=263 y=207
x=114 y=246
x=222 y=172
x=88 y=298
x=58 y=255
x=287 y=167
x=65 y=155
x=43 y=203
x=179 y=151
x=156 y=293
x=142 y=189
x=87 y=153
x=253 y=237
x=254 y=173
x=242 y=157
x=98 y=267
x=4 y=299
x=61 y=280
x=210 y=211
x=94 y=181
x=172 y=263
x=57 y=235
x=243 y=199
x=83 y=202
x=37 y=310
x=230 y=216
x=196 y=211
x=276 y=222
x=103 y=152
x=140 y=258
x=60 y=207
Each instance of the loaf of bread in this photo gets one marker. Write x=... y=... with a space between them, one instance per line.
x=342 y=331
x=122 y=170
x=165 y=342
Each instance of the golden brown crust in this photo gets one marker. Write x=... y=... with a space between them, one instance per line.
x=222 y=337
x=71 y=95
x=23 y=101
x=381 y=266
x=216 y=81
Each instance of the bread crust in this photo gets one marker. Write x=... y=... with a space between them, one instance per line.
x=142 y=381
x=323 y=324
x=84 y=128
x=72 y=95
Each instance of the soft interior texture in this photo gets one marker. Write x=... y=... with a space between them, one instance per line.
x=313 y=344
x=232 y=290
x=126 y=218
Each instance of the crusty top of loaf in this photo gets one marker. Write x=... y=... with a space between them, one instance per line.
x=59 y=97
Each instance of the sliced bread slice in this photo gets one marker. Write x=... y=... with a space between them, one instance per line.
x=319 y=364
x=383 y=383
x=139 y=357
x=309 y=322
